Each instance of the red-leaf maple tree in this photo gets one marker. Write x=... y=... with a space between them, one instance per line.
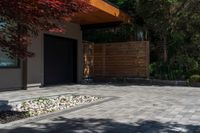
x=20 y=20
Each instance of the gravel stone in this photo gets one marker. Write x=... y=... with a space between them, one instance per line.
x=44 y=105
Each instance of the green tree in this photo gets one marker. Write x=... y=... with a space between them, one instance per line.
x=171 y=26
x=168 y=21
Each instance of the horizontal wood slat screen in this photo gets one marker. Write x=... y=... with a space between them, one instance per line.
x=124 y=59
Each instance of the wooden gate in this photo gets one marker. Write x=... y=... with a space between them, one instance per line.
x=116 y=60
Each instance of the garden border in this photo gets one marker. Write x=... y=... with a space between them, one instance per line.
x=141 y=81
x=57 y=113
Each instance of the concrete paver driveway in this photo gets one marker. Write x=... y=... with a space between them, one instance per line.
x=138 y=109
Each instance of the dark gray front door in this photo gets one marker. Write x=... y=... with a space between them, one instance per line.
x=60 y=56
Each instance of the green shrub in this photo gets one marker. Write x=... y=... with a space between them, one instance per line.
x=164 y=71
x=186 y=65
x=179 y=67
x=194 y=79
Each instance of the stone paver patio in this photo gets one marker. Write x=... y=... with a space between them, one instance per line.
x=138 y=109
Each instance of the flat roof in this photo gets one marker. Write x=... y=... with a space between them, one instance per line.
x=104 y=12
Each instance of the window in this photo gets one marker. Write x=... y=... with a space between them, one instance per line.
x=7 y=62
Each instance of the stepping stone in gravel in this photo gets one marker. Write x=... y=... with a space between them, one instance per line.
x=4 y=105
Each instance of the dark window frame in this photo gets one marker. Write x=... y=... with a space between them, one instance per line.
x=18 y=65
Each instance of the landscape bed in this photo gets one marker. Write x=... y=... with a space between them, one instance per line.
x=43 y=105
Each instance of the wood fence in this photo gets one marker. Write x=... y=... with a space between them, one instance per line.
x=124 y=59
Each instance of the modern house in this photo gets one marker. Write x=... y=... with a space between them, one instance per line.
x=58 y=57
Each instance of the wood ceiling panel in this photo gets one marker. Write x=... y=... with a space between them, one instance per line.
x=94 y=17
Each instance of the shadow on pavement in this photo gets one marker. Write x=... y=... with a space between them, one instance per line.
x=8 y=115
x=80 y=125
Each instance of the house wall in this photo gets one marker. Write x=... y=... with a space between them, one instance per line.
x=12 y=78
x=35 y=64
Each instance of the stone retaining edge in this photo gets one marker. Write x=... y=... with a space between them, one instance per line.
x=55 y=114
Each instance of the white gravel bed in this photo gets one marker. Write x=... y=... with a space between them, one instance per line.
x=45 y=105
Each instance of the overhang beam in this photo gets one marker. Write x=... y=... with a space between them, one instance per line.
x=110 y=9
x=104 y=12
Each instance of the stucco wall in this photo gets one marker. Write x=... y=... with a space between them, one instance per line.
x=35 y=64
x=11 y=78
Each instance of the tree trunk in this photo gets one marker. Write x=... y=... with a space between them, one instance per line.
x=165 y=56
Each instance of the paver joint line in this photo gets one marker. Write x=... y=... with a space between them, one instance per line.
x=163 y=109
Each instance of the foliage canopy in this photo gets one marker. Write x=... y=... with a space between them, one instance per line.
x=20 y=20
